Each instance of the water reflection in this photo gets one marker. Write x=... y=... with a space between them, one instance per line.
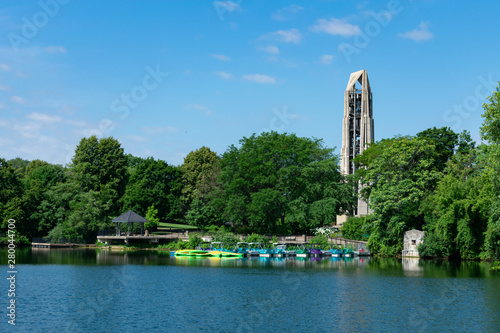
x=412 y=267
x=122 y=288
x=407 y=267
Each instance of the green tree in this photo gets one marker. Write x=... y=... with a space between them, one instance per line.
x=457 y=213
x=33 y=165
x=155 y=183
x=11 y=192
x=19 y=166
x=354 y=227
x=490 y=131
x=41 y=177
x=87 y=215
x=444 y=140
x=55 y=207
x=209 y=203
x=99 y=165
x=132 y=163
x=151 y=216
x=397 y=175
x=197 y=166
x=272 y=181
x=204 y=212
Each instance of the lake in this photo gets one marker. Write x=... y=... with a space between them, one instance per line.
x=88 y=290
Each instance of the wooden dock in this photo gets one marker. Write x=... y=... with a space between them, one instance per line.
x=51 y=245
x=139 y=238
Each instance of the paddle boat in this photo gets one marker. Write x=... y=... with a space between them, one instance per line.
x=279 y=250
x=218 y=250
x=347 y=253
x=254 y=249
x=192 y=253
x=362 y=253
x=314 y=250
x=291 y=250
x=266 y=252
x=327 y=253
x=241 y=247
x=302 y=251
x=224 y=254
x=336 y=253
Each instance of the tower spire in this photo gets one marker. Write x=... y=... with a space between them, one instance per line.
x=357 y=128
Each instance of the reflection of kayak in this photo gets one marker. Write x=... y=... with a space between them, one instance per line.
x=224 y=254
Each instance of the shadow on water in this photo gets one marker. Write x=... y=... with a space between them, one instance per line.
x=120 y=288
x=408 y=267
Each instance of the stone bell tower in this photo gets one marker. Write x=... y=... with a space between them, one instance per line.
x=357 y=129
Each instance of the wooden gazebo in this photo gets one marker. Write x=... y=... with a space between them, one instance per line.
x=129 y=218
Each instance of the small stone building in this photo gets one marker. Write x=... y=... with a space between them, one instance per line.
x=412 y=239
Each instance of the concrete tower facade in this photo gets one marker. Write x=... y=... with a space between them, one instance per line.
x=357 y=128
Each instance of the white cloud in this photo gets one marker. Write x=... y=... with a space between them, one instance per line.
x=285 y=36
x=220 y=57
x=326 y=59
x=224 y=75
x=45 y=118
x=259 y=78
x=28 y=130
x=55 y=49
x=18 y=100
x=4 y=67
x=228 y=6
x=286 y=13
x=335 y=27
x=199 y=107
x=271 y=49
x=420 y=34
x=41 y=136
x=4 y=88
x=159 y=129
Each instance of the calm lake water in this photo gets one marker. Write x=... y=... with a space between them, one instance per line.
x=85 y=290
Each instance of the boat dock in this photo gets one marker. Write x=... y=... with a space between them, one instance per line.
x=51 y=245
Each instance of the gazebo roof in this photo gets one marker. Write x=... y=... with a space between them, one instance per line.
x=130 y=216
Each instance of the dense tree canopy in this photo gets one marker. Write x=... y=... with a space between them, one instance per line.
x=100 y=164
x=281 y=182
x=11 y=192
x=196 y=168
x=398 y=174
x=457 y=212
x=155 y=183
x=437 y=181
x=490 y=131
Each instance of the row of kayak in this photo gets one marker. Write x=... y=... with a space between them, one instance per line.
x=279 y=252
x=203 y=253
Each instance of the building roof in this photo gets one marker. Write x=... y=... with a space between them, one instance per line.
x=130 y=216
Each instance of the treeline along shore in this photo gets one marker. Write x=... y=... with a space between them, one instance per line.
x=438 y=181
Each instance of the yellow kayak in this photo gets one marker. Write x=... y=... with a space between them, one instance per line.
x=224 y=254
x=191 y=253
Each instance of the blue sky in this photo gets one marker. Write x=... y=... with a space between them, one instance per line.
x=168 y=77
